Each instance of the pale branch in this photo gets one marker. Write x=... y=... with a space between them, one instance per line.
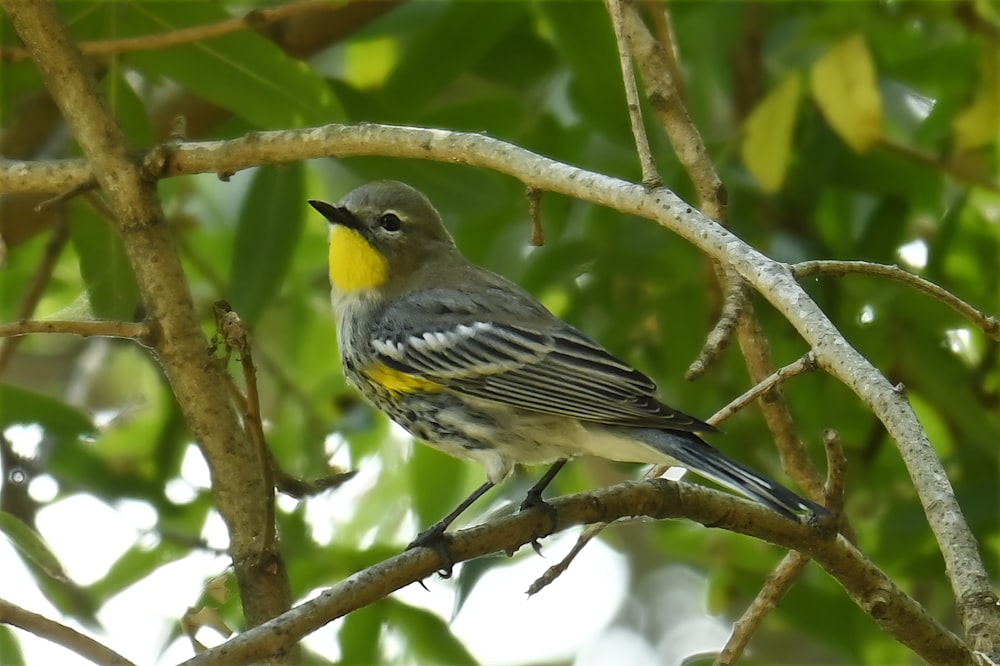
x=775 y=587
x=650 y=175
x=253 y=19
x=180 y=343
x=773 y=280
x=990 y=325
x=896 y=613
x=60 y=634
x=105 y=329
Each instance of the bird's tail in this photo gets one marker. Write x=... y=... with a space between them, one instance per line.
x=698 y=456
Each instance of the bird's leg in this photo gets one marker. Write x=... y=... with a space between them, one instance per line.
x=435 y=538
x=534 y=500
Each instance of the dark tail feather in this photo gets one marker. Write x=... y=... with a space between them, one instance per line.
x=698 y=456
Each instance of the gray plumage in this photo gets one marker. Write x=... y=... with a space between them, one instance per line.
x=509 y=381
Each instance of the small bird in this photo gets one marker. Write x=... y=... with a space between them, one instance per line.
x=473 y=365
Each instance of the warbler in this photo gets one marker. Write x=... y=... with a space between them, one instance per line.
x=473 y=365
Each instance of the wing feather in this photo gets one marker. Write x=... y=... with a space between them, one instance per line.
x=524 y=357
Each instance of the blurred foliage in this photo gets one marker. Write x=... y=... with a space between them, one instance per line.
x=863 y=130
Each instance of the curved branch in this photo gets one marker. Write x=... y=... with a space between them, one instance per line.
x=60 y=634
x=987 y=324
x=774 y=280
x=896 y=613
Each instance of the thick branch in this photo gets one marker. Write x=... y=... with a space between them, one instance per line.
x=896 y=613
x=180 y=345
x=772 y=279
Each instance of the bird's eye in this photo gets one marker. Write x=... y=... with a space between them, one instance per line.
x=390 y=222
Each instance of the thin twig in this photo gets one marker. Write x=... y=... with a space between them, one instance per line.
x=54 y=248
x=806 y=363
x=251 y=20
x=734 y=306
x=233 y=333
x=650 y=176
x=557 y=569
x=988 y=324
x=956 y=170
x=835 y=488
x=66 y=195
x=534 y=197
x=60 y=634
x=103 y=329
x=775 y=587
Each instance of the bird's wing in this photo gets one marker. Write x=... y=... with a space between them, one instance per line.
x=521 y=355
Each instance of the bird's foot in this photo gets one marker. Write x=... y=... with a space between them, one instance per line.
x=434 y=537
x=534 y=500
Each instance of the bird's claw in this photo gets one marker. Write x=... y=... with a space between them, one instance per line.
x=534 y=501
x=434 y=537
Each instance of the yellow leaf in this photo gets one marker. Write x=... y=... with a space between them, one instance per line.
x=767 y=134
x=845 y=87
x=979 y=124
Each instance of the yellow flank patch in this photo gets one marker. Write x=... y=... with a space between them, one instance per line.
x=398 y=382
x=354 y=263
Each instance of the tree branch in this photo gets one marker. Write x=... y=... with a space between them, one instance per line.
x=105 y=329
x=712 y=200
x=650 y=176
x=239 y=490
x=989 y=325
x=253 y=19
x=895 y=612
x=60 y=634
x=772 y=279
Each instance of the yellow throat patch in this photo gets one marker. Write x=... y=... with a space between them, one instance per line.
x=354 y=263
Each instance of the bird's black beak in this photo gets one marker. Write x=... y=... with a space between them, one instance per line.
x=336 y=214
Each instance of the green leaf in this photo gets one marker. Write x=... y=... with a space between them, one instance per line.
x=442 y=51
x=56 y=417
x=129 y=110
x=31 y=544
x=767 y=142
x=431 y=501
x=428 y=636
x=269 y=227
x=10 y=649
x=104 y=266
x=243 y=72
x=359 y=637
